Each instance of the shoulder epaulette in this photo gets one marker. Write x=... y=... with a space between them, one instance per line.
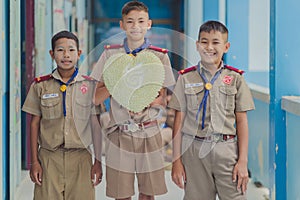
x=87 y=77
x=42 y=78
x=234 y=69
x=113 y=46
x=155 y=48
x=183 y=71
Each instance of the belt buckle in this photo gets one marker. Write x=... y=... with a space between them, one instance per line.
x=133 y=127
x=217 y=137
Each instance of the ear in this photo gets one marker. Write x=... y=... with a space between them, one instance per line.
x=149 y=24
x=121 y=25
x=227 y=46
x=79 y=53
x=197 y=45
x=51 y=54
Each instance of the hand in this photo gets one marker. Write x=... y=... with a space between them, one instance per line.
x=36 y=173
x=161 y=99
x=178 y=174
x=240 y=174
x=96 y=173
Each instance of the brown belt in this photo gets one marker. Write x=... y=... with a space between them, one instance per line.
x=62 y=147
x=133 y=127
x=214 y=137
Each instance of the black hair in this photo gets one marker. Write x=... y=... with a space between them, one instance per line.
x=64 y=34
x=134 y=5
x=212 y=26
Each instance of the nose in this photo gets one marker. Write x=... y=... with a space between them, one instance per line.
x=209 y=45
x=134 y=24
x=66 y=53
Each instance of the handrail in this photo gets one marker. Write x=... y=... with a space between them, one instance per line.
x=259 y=92
x=291 y=104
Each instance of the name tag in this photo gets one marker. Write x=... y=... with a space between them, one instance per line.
x=189 y=85
x=48 y=96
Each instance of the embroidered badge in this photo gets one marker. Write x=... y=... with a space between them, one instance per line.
x=84 y=88
x=227 y=79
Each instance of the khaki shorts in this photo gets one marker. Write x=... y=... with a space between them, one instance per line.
x=130 y=154
x=66 y=175
x=212 y=174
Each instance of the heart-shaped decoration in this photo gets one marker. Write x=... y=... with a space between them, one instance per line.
x=134 y=81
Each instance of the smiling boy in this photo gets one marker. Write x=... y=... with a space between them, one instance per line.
x=61 y=165
x=211 y=130
x=134 y=141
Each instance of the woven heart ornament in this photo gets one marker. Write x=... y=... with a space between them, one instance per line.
x=134 y=81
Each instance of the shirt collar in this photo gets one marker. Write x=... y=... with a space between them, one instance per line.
x=203 y=69
x=57 y=76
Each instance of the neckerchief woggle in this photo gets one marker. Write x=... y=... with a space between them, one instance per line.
x=63 y=88
x=208 y=86
x=135 y=51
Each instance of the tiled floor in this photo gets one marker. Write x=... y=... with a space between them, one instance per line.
x=26 y=189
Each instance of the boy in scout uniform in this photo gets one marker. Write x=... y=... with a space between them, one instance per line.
x=210 y=135
x=63 y=119
x=134 y=143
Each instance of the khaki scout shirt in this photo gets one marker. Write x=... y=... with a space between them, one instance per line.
x=228 y=95
x=119 y=114
x=45 y=99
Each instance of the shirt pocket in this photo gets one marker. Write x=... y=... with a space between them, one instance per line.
x=227 y=96
x=83 y=108
x=51 y=108
x=193 y=94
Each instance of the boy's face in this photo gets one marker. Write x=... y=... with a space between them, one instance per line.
x=65 y=53
x=135 y=24
x=211 y=47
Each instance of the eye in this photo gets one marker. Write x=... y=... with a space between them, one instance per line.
x=141 y=21
x=129 y=22
x=72 y=49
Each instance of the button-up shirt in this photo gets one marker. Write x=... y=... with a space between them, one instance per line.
x=229 y=94
x=118 y=113
x=45 y=99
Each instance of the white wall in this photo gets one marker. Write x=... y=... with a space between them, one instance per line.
x=193 y=20
x=14 y=96
x=259 y=31
x=222 y=11
x=43 y=34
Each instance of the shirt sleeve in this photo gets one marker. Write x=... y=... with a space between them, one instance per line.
x=178 y=100
x=32 y=101
x=97 y=72
x=169 y=76
x=244 y=100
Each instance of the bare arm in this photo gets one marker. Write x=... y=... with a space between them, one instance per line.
x=96 y=172
x=240 y=172
x=178 y=173
x=36 y=169
x=161 y=99
x=101 y=93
